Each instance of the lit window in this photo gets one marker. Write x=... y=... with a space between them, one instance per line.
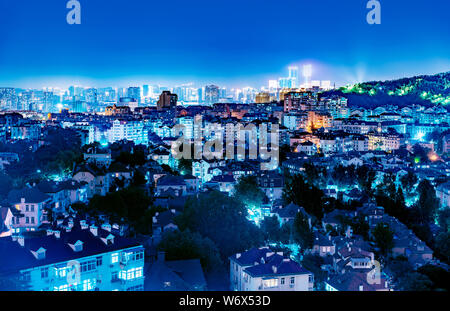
x=270 y=283
x=115 y=258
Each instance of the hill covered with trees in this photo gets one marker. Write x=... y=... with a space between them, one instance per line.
x=423 y=90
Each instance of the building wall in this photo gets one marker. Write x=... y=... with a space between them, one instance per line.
x=107 y=273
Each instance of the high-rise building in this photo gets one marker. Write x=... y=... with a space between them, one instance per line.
x=134 y=92
x=145 y=90
x=262 y=98
x=7 y=98
x=200 y=94
x=293 y=76
x=167 y=100
x=91 y=96
x=211 y=94
x=307 y=74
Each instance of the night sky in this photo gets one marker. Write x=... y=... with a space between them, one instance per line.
x=232 y=43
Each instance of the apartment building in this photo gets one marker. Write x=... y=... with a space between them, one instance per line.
x=79 y=258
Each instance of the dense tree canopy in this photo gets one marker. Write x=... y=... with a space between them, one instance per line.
x=180 y=245
x=223 y=220
x=248 y=192
x=384 y=238
x=299 y=192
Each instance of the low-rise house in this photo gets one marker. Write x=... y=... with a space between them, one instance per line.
x=322 y=246
x=28 y=206
x=97 y=179
x=177 y=184
x=355 y=281
x=60 y=200
x=6 y=217
x=352 y=195
x=176 y=275
x=371 y=212
x=162 y=222
x=192 y=183
x=224 y=183
x=99 y=159
x=287 y=214
x=271 y=184
x=76 y=191
x=335 y=217
x=443 y=194
x=307 y=147
x=261 y=269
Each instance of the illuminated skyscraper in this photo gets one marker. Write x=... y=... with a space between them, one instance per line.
x=293 y=76
x=307 y=73
x=145 y=90
x=135 y=92
x=211 y=94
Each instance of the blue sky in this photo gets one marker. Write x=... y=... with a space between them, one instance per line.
x=232 y=43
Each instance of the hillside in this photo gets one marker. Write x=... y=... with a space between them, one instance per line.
x=424 y=90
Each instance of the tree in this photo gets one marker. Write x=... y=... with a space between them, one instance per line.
x=439 y=276
x=302 y=231
x=299 y=192
x=399 y=267
x=365 y=177
x=384 y=238
x=180 y=245
x=428 y=203
x=444 y=219
x=138 y=179
x=6 y=185
x=442 y=245
x=313 y=263
x=415 y=281
x=284 y=151
x=408 y=181
x=271 y=228
x=131 y=203
x=248 y=192
x=222 y=219
x=185 y=166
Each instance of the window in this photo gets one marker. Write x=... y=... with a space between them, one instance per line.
x=99 y=261
x=292 y=280
x=270 y=283
x=32 y=207
x=26 y=276
x=44 y=273
x=61 y=272
x=32 y=220
x=27 y=220
x=27 y=208
x=282 y=281
x=115 y=258
x=88 y=265
x=115 y=276
x=139 y=272
x=88 y=284
x=131 y=273
x=61 y=288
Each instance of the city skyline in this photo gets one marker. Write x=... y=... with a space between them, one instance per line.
x=242 y=45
